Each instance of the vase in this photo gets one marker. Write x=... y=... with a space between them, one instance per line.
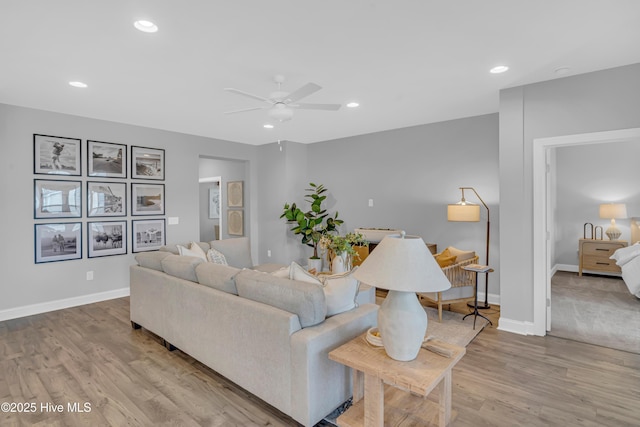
x=338 y=264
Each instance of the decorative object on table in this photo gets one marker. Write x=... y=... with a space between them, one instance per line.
x=147 y=163
x=106 y=199
x=235 y=194
x=147 y=199
x=403 y=265
x=106 y=159
x=341 y=250
x=148 y=234
x=105 y=238
x=464 y=211
x=613 y=211
x=235 y=222
x=56 y=155
x=601 y=230
x=58 y=242
x=57 y=199
x=314 y=223
x=587 y=227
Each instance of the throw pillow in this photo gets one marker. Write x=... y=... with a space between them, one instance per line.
x=460 y=254
x=283 y=272
x=297 y=272
x=340 y=291
x=191 y=251
x=445 y=259
x=216 y=257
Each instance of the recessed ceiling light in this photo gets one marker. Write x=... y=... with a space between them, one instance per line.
x=498 y=69
x=146 y=26
x=78 y=84
x=268 y=126
x=353 y=105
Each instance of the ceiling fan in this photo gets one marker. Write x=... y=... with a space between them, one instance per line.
x=281 y=104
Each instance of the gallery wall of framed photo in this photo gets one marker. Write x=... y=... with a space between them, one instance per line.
x=117 y=204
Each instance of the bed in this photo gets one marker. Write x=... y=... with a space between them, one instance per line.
x=628 y=259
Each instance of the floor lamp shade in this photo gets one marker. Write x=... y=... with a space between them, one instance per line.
x=403 y=265
x=463 y=212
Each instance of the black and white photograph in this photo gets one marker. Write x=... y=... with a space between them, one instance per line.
x=105 y=238
x=147 y=163
x=147 y=199
x=57 y=199
x=58 y=242
x=56 y=155
x=106 y=159
x=106 y=199
x=148 y=234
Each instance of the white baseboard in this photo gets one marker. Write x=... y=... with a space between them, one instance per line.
x=516 y=326
x=29 y=310
x=493 y=298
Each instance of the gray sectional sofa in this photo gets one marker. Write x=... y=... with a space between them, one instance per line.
x=268 y=334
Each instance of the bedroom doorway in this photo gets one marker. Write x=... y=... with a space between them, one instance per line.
x=543 y=212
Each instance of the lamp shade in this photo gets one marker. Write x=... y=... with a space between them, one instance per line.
x=463 y=212
x=613 y=210
x=402 y=263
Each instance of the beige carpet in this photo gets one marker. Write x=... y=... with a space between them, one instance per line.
x=595 y=310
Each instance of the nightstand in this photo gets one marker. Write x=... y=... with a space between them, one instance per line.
x=594 y=255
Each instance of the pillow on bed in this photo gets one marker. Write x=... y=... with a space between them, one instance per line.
x=624 y=255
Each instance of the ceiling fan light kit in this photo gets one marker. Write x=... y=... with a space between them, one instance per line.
x=281 y=104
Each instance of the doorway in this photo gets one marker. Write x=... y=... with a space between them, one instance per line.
x=543 y=214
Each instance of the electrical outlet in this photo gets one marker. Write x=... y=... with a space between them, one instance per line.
x=89 y=275
x=269 y=253
x=370 y=203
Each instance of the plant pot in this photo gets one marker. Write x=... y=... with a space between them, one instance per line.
x=314 y=264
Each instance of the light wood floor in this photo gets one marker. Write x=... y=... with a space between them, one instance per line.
x=90 y=354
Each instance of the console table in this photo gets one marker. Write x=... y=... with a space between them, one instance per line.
x=404 y=386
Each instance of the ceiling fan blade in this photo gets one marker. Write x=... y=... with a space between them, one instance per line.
x=305 y=90
x=304 y=106
x=247 y=94
x=243 y=110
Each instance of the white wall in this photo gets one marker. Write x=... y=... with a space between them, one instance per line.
x=28 y=288
x=599 y=101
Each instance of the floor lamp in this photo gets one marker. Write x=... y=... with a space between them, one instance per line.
x=464 y=211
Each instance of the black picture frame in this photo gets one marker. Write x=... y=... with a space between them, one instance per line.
x=106 y=159
x=147 y=163
x=147 y=199
x=106 y=238
x=57 y=155
x=57 y=198
x=147 y=234
x=106 y=199
x=55 y=242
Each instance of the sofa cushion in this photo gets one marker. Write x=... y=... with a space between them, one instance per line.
x=183 y=267
x=192 y=250
x=216 y=257
x=340 y=290
x=174 y=248
x=303 y=299
x=152 y=259
x=237 y=251
x=218 y=276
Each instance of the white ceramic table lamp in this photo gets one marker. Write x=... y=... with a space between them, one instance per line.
x=403 y=265
x=613 y=211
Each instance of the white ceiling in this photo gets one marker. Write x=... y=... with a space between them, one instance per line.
x=407 y=62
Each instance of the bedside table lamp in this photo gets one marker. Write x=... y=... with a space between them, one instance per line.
x=403 y=265
x=613 y=211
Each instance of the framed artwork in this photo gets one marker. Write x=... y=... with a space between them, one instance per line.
x=214 y=202
x=56 y=155
x=147 y=199
x=148 y=234
x=106 y=159
x=147 y=163
x=57 y=199
x=106 y=199
x=235 y=222
x=105 y=238
x=58 y=242
x=235 y=194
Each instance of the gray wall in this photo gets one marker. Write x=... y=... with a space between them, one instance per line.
x=593 y=102
x=27 y=288
x=587 y=176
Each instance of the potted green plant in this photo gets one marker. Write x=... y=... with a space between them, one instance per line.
x=314 y=223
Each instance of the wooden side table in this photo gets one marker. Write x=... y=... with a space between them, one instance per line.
x=594 y=255
x=405 y=382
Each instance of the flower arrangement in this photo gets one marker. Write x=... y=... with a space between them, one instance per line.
x=335 y=244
